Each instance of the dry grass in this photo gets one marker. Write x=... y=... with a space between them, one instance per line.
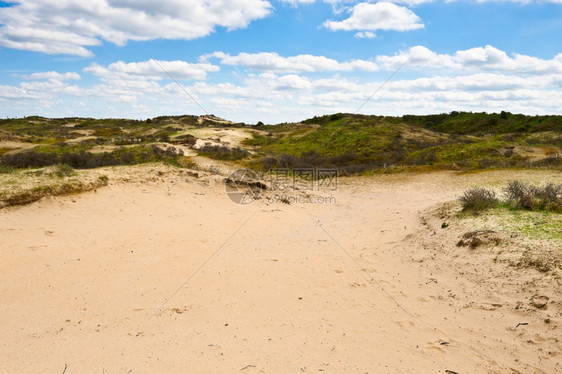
x=519 y=238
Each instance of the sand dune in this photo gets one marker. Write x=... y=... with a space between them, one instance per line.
x=169 y=275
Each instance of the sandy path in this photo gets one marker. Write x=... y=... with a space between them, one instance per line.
x=81 y=278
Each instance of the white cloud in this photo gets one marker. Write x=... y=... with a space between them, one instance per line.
x=296 y=2
x=53 y=75
x=476 y=79
x=293 y=82
x=365 y=35
x=271 y=61
x=417 y=56
x=490 y=58
x=151 y=70
x=69 y=26
x=377 y=16
x=486 y=58
x=336 y=3
x=411 y=2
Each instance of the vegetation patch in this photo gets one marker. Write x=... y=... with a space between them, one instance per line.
x=81 y=159
x=219 y=152
x=358 y=143
x=517 y=196
x=477 y=199
x=25 y=187
x=523 y=226
x=353 y=144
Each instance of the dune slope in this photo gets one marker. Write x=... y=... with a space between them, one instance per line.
x=170 y=275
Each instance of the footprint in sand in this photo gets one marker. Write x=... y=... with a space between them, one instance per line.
x=405 y=323
x=357 y=285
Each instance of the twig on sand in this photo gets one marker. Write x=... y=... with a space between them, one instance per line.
x=451 y=372
x=247 y=367
x=65 y=367
x=521 y=324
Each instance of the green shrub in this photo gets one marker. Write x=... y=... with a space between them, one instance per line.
x=62 y=170
x=81 y=159
x=220 y=152
x=548 y=162
x=5 y=169
x=29 y=159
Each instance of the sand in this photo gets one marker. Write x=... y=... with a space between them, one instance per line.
x=162 y=273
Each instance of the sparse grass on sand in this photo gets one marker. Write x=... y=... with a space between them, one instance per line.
x=24 y=186
x=522 y=225
x=521 y=238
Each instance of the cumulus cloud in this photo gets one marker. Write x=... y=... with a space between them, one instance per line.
x=337 y=3
x=365 y=35
x=486 y=58
x=70 y=26
x=476 y=79
x=151 y=70
x=490 y=58
x=296 y=2
x=302 y=63
x=418 y=56
x=341 y=4
x=293 y=82
x=53 y=75
x=377 y=16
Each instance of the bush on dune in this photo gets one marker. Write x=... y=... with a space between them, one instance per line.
x=87 y=160
x=478 y=199
x=518 y=195
x=220 y=152
x=525 y=196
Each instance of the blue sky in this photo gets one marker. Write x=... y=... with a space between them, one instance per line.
x=278 y=60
